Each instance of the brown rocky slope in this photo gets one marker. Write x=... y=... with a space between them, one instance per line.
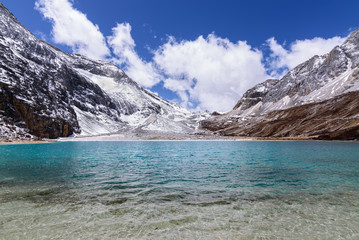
x=333 y=119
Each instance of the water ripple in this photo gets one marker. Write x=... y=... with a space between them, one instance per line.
x=175 y=190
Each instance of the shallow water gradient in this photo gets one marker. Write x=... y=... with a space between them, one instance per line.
x=180 y=190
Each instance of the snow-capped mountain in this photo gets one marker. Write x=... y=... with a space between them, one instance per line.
x=318 y=79
x=48 y=93
x=308 y=95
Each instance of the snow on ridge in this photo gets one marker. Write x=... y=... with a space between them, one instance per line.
x=92 y=124
x=170 y=118
x=317 y=79
x=106 y=83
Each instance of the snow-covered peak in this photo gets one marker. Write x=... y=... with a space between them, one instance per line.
x=316 y=79
x=50 y=93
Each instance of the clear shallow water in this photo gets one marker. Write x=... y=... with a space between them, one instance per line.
x=180 y=190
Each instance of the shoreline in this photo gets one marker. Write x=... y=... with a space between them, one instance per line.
x=15 y=142
x=185 y=138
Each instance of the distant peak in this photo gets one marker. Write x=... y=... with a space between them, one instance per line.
x=353 y=37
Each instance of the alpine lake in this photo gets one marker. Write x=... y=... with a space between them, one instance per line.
x=180 y=190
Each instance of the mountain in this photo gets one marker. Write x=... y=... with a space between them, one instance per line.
x=316 y=99
x=47 y=93
x=317 y=79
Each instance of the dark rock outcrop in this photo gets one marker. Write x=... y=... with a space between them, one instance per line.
x=255 y=94
x=21 y=113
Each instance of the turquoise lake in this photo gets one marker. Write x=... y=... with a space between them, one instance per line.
x=180 y=190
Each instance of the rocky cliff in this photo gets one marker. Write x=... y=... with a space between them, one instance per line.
x=47 y=93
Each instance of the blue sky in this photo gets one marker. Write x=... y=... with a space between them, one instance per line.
x=159 y=43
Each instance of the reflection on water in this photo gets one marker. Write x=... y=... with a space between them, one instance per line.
x=174 y=190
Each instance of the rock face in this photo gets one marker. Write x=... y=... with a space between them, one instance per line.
x=47 y=93
x=318 y=98
x=255 y=95
x=317 y=79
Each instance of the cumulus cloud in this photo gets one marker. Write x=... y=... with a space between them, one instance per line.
x=72 y=28
x=298 y=52
x=123 y=46
x=212 y=72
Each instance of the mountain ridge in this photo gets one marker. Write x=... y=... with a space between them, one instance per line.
x=312 y=85
x=48 y=93
x=300 y=84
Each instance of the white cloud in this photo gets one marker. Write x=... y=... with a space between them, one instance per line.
x=212 y=72
x=298 y=52
x=72 y=28
x=123 y=46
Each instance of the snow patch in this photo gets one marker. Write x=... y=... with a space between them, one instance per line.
x=106 y=83
x=92 y=125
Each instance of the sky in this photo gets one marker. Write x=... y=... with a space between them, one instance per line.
x=201 y=54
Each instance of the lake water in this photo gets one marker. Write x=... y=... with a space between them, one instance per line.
x=180 y=190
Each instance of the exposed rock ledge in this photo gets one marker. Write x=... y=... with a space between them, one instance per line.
x=20 y=113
